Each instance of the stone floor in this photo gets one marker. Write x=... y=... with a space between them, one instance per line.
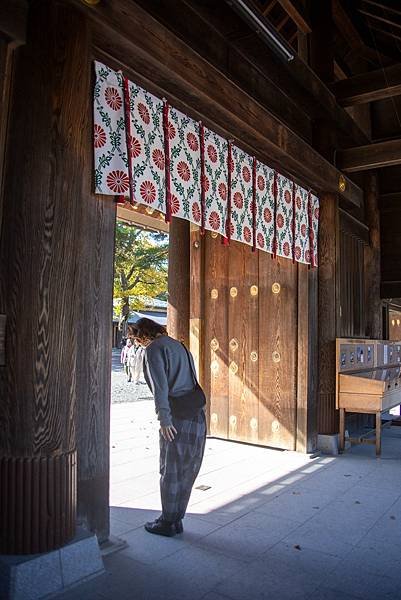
x=271 y=525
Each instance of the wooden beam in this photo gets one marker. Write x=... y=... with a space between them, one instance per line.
x=297 y=14
x=268 y=7
x=384 y=32
x=378 y=18
x=383 y=6
x=369 y=87
x=287 y=86
x=382 y=154
x=167 y=65
x=13 y=18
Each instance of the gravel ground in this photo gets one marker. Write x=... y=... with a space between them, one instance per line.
x=121 y=389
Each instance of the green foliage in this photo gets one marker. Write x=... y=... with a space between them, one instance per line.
x=140 y=265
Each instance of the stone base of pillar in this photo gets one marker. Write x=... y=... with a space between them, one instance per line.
x=37 y=576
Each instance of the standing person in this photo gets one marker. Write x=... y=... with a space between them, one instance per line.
x=124 y=358
x=170 y=374
x=135 y=361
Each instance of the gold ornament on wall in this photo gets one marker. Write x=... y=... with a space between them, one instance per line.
x=214 y=418
x=276 y=287
x=214 y=294
x=233 y=421
x=275 y=426
x=214 y=367
x=253 y=290
x=233 y=292
x=342 y=184
x=233 y=367
x=253 y=423
x=196 y=244
x=276 y=356
x=214 y=235
x=214 y=345
x=233 y=344
x=254 y=356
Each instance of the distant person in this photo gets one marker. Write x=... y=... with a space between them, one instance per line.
x=135 y=361
x=179 y=400
x=124 y=358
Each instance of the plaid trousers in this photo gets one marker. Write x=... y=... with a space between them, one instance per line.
x=180 y=462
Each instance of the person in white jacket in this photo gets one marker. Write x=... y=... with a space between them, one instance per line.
x=135 y=361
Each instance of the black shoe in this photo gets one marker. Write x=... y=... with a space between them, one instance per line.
x=160 y=527
x=178 y=526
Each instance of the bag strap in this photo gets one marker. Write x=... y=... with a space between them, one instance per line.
x=191 y=365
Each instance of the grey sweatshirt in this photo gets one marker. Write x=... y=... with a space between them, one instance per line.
x=167 y=371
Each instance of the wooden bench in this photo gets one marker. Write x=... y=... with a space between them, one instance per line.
x=368 y=381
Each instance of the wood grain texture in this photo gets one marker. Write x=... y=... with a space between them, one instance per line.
x=243 y=326
x=40 y=279
x=216 y=328
x=178 y=280
x=307 y=369
x=196 y=302
x=277 y=333
x=327 y=312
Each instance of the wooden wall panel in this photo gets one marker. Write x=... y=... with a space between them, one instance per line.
x=243 y=330
x=216 y=334
x=277 y=338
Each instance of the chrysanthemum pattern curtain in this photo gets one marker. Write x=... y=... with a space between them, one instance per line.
x=155 y=155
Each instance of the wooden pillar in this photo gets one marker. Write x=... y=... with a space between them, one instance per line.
x=178 y=280
x=40 y=284
x=372 y=258
x=327 y=312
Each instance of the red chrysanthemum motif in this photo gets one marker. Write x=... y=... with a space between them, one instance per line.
x=135 y=147
x=238 y=200
x=143 y=113
x=298 y=202
x=303 y=230
x=246 y=174
x=261 y=183
x=307 y=255
x=205 y=183
x=192 y=141
x=99 y=136
x=174 y=204
x=261 y=240
x=286 y=249
x=297 y=252
x=158 y=158
x=311 y=235
x=148 y=192
x=214 y=220
x=171 y=131
x=196 y=212
x=113 y=98
x=222 y=191
x=183 y=170
x=212 y=153
x=280 y=220
x=118 y=181
x=247 y=234
x=316 y=213
x=267 y=215
x=287 y=197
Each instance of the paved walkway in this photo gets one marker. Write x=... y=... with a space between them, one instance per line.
x=270 y=525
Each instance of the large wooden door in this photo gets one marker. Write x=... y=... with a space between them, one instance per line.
x=249 y=343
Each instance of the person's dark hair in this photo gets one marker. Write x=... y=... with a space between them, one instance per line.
x=146 y=328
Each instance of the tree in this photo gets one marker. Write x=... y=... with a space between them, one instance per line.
x=140 y=266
